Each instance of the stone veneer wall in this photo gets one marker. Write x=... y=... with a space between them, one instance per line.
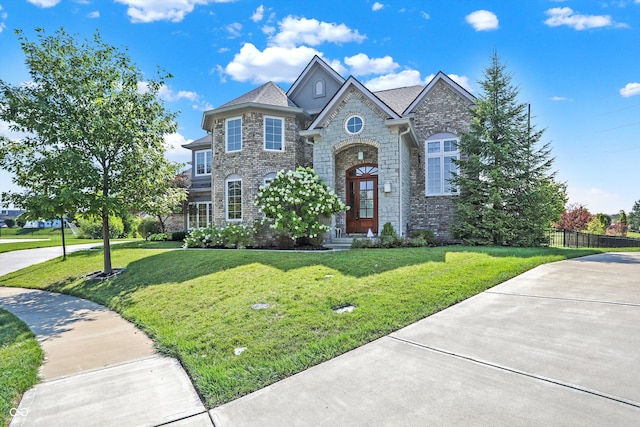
x=253 y=162
x=442 y=110
x=375 y=134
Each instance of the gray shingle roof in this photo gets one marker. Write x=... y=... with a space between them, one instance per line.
x=399 y=99
x=269 y=94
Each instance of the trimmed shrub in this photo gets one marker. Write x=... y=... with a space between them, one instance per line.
x=148 y=226
x=91 y=228
x=158 y=237
x=178 y=236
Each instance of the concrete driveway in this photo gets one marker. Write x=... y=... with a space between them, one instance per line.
x=558 y=345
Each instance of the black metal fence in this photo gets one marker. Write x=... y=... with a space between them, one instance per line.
x=575 y=239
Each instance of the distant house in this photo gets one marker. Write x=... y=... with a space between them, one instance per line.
x=41 y=223
x=387 y=154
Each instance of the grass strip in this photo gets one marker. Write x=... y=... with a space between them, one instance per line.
x=20 y=357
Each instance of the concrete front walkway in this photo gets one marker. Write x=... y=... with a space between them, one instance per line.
x=99 y=370
x=558 y=345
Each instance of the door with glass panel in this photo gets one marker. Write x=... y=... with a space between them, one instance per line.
x=362 y=197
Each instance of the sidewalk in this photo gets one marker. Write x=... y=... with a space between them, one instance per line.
x=99 y=370
x=558 y=345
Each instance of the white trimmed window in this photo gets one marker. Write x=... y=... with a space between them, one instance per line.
x=318 y=89
x=233 y=198
x=273 y=134
x=203 y=162
x=199 y=215
x=441 y=154
x=233 y=134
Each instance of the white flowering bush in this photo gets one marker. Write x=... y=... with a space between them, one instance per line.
x=296 y=201
x=229 y=236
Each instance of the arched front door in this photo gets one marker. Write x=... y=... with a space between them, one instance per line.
x=362 y=196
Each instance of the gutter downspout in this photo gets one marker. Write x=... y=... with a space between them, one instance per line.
x=400 y=135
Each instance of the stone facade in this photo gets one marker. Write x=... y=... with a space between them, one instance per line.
x=252 y=163
x=393 y=137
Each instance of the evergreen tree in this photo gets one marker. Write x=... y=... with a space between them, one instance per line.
x=634 y=217
x=508 y=196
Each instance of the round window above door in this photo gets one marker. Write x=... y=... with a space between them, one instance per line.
x=354 y=124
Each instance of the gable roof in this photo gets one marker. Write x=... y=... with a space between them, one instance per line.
x=399 y=98
x=352 y=82
x=308 y=70
x=462 y=92
x=205 y=141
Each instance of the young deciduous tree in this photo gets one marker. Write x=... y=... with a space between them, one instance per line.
x=599 y=223
x=96 y=142
x=508 y=194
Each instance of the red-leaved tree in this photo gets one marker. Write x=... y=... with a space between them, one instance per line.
x=575 y=218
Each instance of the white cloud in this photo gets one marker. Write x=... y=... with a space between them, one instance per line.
x=234 y=29
x=394 y=80
x=425 y=15
x=631 y=89
x=160 y=10
x=377 y=6
x=462 y=81
x=44 y=3
x=566 y=16
x=173 y=147
x=276 y=63
x=258 y=14
x=362 y=65
x=482 y=20
x=3 y=16
x=560 y=99
x=302 y=31
x=268 y=29
x=94 y=14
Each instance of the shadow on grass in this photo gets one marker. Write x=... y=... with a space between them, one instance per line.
x=180 y=266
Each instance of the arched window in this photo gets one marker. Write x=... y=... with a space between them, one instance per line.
x=318 y=89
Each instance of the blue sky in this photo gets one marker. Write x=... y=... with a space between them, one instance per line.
x=576 y=62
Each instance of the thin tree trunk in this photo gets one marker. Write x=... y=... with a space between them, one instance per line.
x=64 y=247
x=106 y=246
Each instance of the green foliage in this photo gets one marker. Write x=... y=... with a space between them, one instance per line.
x=598 y=224
x=21 y=220
x=91 y=228
x=507 y=194
x=159 y=237
x=634 y=217
x=178 y=236
x=100 y=151
x=297 y=201
x=388 y=230
x=230 y=236
x=148 y=226
x=389 y=239
x=10 y=222
x=426 y=235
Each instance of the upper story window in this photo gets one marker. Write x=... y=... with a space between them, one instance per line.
x=441 y=154
x=318 y=89
x=273 y=133
x=203 y=162
x=354 y=124
x=234 y=134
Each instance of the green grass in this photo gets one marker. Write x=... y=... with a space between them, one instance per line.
x=20 y=357
x=51 y=234
x=196 y=304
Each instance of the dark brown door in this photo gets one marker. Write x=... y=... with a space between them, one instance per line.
x=362 y=197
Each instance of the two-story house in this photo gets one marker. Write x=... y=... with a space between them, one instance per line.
x=387 y=154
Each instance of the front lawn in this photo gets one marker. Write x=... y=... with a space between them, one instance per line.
x=20 y=357
x=197 y=304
